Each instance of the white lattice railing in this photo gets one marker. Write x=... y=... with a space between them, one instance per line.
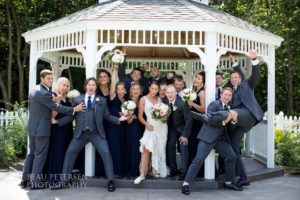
x=9 y=117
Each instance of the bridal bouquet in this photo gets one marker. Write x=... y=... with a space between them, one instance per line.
x=72 y=95
x=117 y=56
x=189 y=94
x=160 y=111
x=128 y=106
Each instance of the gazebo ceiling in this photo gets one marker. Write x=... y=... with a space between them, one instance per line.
x=152 y=11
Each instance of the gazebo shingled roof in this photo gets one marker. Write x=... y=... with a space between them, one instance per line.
x=155 y=10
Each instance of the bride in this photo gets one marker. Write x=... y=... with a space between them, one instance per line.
x=154 y=139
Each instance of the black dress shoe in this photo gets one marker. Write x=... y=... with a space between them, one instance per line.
x=232 y=186
x=243 y=182
x=185 y=190
x=24 y=184
x=61 y=185
x=111 y=186
x=173 y=173
x=181 y=176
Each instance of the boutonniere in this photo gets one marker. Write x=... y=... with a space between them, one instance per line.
x=174 y=108
x=228 y=106
x=97 y=99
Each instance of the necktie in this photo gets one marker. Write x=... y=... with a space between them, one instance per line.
x=89 y=102
x=225 y=107
x=219 y=93
x=171 y=107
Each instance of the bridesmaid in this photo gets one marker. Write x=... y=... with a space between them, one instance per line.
x=104 y=78
x=133 y=133
x=116 y=134
x=61 y=134
x=197 y=105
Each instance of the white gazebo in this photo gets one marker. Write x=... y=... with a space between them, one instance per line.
x=176 y=35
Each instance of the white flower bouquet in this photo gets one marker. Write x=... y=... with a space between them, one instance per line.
x=160 y=111
x=117 y=56
x=128 y=106
x=189 y=94
x=72 y=95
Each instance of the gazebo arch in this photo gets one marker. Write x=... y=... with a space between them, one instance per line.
x=199 y=35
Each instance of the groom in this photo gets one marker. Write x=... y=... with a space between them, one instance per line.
x=179 y=126
x=89 y=128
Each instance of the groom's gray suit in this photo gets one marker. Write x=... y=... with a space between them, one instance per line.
x=40 y=106
x=89 y=128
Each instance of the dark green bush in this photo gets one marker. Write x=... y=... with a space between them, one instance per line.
x=287 y=152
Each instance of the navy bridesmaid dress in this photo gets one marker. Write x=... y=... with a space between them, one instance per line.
x=99 y=167
x=133 y=134
x=193 y=140
x=115 y=138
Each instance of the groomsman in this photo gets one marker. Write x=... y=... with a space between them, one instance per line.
x=89 y=128
x=213 y=134
x=41 y=104
x=179 y=127
x=249 y=111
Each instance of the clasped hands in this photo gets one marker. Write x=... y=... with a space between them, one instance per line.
x=232 y=116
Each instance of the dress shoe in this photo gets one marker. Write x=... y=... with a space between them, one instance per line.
x=111 y=186
x=181 y=176
x=232 y=186
x=185 y=190
x=24 y=184
x=138 y=180
x=173 y=173
x=61 y=185
x=243 y=182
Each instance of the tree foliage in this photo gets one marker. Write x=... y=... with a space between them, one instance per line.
x=281 y=17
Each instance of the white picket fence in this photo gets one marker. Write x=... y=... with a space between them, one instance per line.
x=9 y=117
x=287 y=123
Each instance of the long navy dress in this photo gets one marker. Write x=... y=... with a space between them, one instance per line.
x=99 y=167
x=115 y=138
x=60 y=139
x=193 y=140
x=133 y=134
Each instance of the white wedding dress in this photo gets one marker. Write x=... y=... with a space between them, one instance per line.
x=155 y=141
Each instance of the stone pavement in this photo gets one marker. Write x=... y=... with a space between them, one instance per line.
x=279 y=188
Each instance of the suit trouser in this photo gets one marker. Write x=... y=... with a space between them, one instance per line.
x=173 y=135
x=245 y=122
x=224 y=149
x=35 y=160
x=75 y=147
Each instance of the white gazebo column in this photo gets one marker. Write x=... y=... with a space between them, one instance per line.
x=271 y=108
x=210 y=60
x=89 y=55
x=34 y=57
x=210 y=82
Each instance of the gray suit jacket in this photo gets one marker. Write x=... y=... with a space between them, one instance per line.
x=101 y=112
x=213 y=127
x=246 y=93
x=40 y=107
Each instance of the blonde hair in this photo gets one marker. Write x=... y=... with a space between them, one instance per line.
x=59 y=81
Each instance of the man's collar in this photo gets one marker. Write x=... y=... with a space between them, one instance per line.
x=46 y=87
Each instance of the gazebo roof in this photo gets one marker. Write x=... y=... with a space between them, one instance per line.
x=153 y=11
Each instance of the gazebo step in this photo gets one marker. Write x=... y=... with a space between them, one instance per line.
x=172 y=183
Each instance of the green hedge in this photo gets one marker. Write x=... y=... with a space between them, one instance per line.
x=287 y=148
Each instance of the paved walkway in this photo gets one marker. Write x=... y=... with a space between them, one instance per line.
x=279 y=188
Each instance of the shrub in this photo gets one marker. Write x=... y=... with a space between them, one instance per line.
x=13 y=140
x=287 y=152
